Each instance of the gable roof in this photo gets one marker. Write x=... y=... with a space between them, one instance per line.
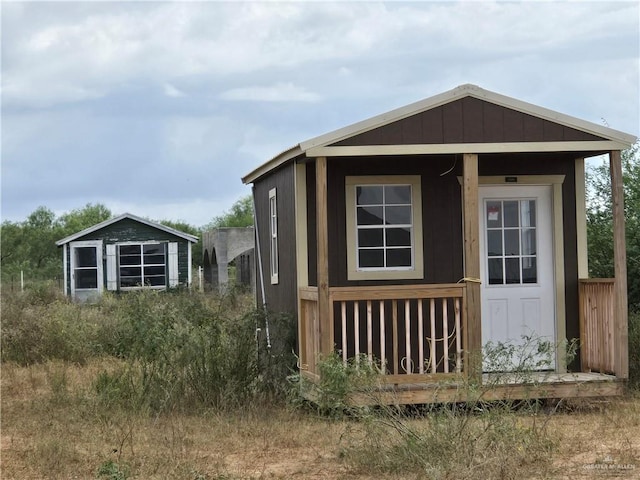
x=129 y=216
x=324 y=145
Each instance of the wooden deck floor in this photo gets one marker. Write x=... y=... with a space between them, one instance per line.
x=500 y=386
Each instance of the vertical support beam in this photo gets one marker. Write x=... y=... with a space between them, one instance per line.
x=581 y=219
x=620 y=268
x=322 y=226
x=302 y=267
x=472 y=266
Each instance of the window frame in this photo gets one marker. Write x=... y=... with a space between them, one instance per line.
x=416 y=271
x=142 y=265
x=273 y=236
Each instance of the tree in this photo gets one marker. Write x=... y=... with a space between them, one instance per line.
x=196 y=249
x=41 y=230
x=240 y=215
x=79 y=219
x=600 y=221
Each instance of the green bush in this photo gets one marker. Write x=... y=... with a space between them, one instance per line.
x=37 y=327
x=180 y=350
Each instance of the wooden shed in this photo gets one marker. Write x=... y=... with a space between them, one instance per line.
x=125 y=253
x=426 y=236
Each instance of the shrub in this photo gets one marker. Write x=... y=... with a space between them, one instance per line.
x=34 y=331
x=479 y=439
x=180 y=349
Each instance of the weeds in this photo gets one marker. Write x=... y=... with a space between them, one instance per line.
x=181 y=350
x=477 y=439
x=111 y=470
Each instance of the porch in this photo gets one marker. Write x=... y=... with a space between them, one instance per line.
x=418 y=338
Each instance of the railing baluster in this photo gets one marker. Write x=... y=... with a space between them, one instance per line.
x=445 y=334
x=420 y=338
x=369 y=333
x=383 y=357
x=394 y=307
x=458 y=338
x=407 y=336
x=432 y=346
x=356 y=326
x=343 y=307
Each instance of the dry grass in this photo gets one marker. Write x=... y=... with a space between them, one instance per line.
x=53 y=427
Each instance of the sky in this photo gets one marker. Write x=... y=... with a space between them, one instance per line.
x=159 y=108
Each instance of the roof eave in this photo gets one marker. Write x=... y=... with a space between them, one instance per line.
x=111 y=221
x=272 y=164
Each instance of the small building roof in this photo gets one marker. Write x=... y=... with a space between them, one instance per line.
x=129 y=216
x=317 y=146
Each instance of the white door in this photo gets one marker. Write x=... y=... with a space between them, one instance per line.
x=87 y=280
x=517 y=274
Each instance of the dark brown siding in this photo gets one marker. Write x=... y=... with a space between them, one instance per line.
x=468 y=120
x=283 y=296
x=442 y=218
x=441 y=207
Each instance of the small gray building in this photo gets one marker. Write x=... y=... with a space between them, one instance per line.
x=125 y=253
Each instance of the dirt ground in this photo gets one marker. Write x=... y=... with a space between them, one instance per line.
x=52 y=429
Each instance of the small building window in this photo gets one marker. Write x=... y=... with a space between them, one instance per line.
x=384 y=227
x=273 y=235
x=142 y=265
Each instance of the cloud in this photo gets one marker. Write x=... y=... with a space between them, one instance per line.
x=281 y=92
x=171 y=91
x=170 y=103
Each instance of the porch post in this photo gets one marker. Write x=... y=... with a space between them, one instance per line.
x=322 y=232
x=472 y=266
x=621 y=340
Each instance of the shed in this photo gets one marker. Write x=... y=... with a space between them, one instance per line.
x=125 y=253
x=425 y=236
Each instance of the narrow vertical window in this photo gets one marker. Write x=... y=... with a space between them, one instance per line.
x=273 y=235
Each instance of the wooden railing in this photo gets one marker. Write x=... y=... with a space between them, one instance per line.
x=309 y=330
x=597 y=325
x=414 y=333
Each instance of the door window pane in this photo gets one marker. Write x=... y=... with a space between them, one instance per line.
x=511 y=236
x=494 y=214
x=86 y=278
x=512 y=242
x=86 y=256
x=494 y=243
x=528 y=213
x=529 y=270
x=511 y=213
x=512 y=270
x=495 y=271
x=528 y=241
